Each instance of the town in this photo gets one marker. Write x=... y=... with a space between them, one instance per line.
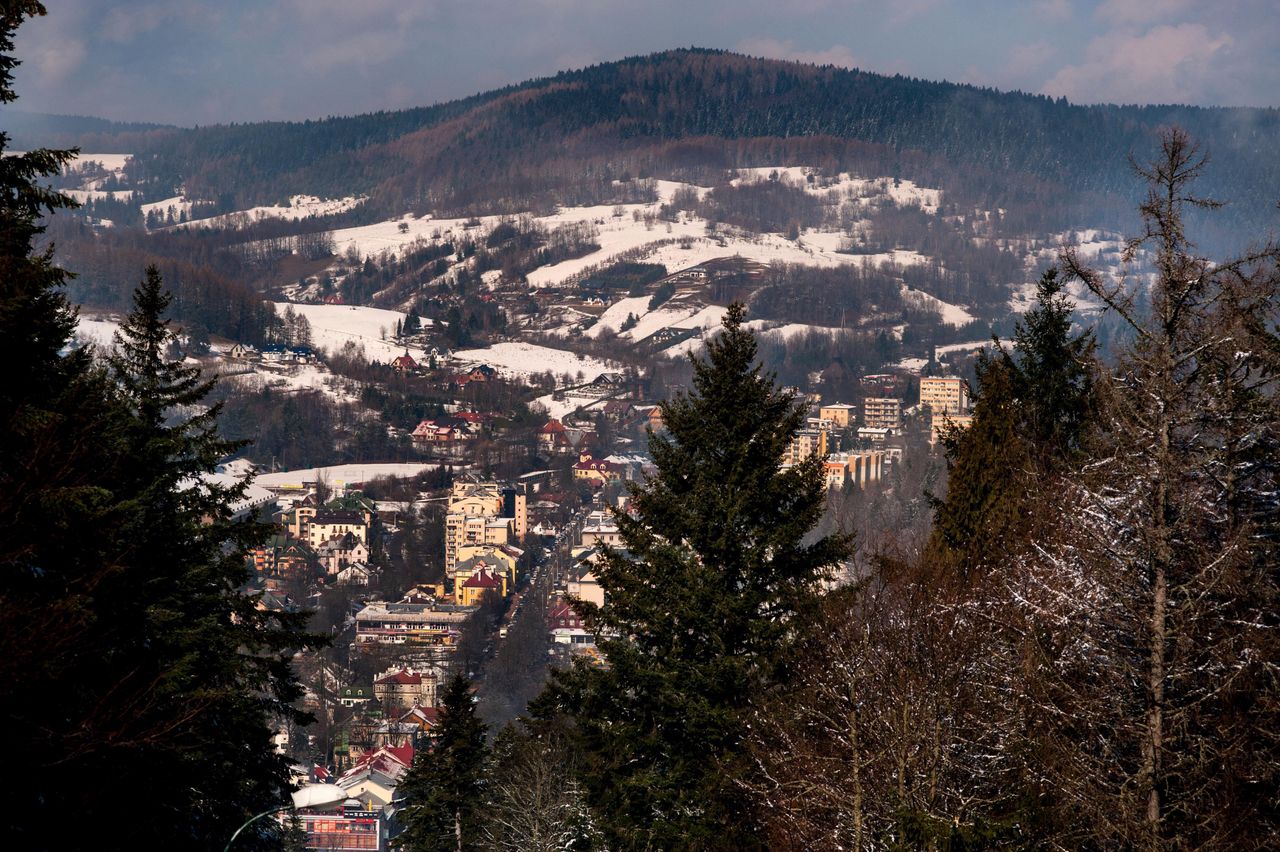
x=513 y=558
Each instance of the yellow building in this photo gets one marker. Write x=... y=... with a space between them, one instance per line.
x=477 y=516
x=840 y=414
x=882 y=412
x=472 y=591
x=945 y=394
x=940 y=422
x=806 y=443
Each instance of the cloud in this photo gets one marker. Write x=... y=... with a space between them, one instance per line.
x=1166 y=64
x=774 y=49
x=1025 y=59
x=1141 y=11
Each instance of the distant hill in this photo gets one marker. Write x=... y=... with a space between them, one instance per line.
x=564 y=139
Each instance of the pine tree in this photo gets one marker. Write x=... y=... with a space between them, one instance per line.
x=1030 y=411
x=211 y=658
x=701 y=608
x=444 y=789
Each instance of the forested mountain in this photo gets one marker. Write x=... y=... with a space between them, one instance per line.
x=564 y=139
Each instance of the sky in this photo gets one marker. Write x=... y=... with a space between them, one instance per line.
x=208 y=61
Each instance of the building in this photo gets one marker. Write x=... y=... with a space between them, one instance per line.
x=351 y=827
x=940 y=422
x=806 y=443
x=840 y=414
x=406 y=687
x=882 y=412
x=478 y=585
x=947 y=394
x=600 y=528
x=483 y=513
x=553 y=439
x=341 y=552
x=282 y=557
x=328 y=524
x=582 y=583
x=404 y=363
x=874 y=434
x=430 y=624
x=860 y=469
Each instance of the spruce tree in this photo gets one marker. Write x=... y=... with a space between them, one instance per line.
x=444 y=789
x=701 y=608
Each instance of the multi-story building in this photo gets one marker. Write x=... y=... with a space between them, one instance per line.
x=809 y=442
x=860 y=469
x=840 y=414
x=483 y=513
x=406 y=686
x=335 y=524
x=418 y=624
x=947 y=394
x=600 y=528
x=942 y=421
x=882 y=412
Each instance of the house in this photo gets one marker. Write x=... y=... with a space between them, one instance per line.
x=479 y=585
x=340 y=552
x=404 y=363
x=600 y=528
x=596 y=472
x=655 y=418
x=355 y=574
x=553 y=439
x=405 y=687
x=243 y=351
x=442 y=434
x=874 y=434
x=329 y=523
x=618 y=410
x=282 y=557
x=375 y=774
x=355 y=696
x=582 y=583
x=481 y=373
x=502 y=558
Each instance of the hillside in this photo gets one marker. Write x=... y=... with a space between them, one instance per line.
x=565 y=139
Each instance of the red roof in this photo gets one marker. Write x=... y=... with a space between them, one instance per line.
x=483 y=579
x=402 y=677
x=552 y=427
x=404 y=362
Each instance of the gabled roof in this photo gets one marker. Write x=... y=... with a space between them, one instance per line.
x=483 y=579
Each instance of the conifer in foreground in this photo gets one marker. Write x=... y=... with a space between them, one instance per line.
x=701 y=608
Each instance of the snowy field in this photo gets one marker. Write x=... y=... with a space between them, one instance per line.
x=527 y=359
x=299 y=207
x=98 y=331
x=332 y=326
x=346 y=474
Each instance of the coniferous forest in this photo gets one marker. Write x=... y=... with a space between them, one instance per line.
x=1057 y=629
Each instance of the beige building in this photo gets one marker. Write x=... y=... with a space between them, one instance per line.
x=840 y=414
x=326 y=525
x=882 y=412
x=477 y=517
x=940 y=422
x=860 y=469
x=806 y=443
x=945 y=394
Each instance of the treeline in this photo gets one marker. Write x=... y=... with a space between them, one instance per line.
x=567 y=139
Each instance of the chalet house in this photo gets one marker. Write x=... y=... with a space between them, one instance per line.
x=425 y=719
x=334 y=299
x=553 y=439
x=355 y=574
x=670 y=335
x=374 y=776
x=243 y=351
x=656 y=422
x=482 y=373
x=355 y=696
x=340 y=552
x=404 y=363
x=443 y=435
x=618 y=410
x=282 y=557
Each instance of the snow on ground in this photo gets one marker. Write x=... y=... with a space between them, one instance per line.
x=334 y=325
x=83 y=195
x=110 y=162
x=346 y=474
x=969 y=347
x=100 y=332
x=615 y=236
x=293 y=378
x=707 y=319
x=300 y=207
x=669 y=314
x=528 y=359
x=617 y=314
x=951 y=314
